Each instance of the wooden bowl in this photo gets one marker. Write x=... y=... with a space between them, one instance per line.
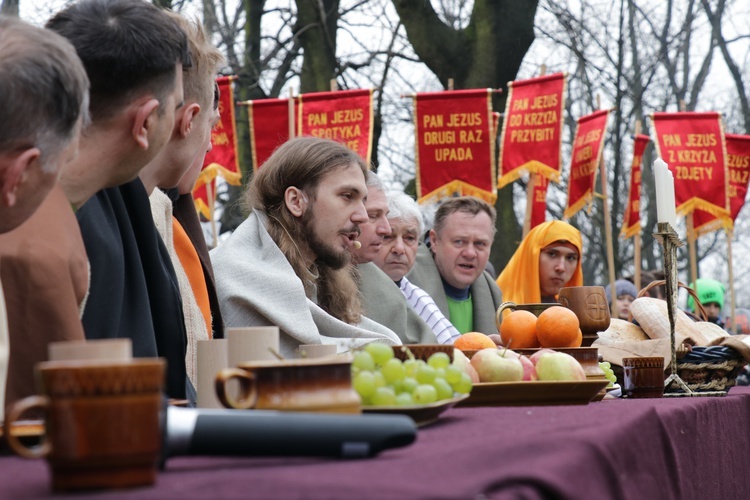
x=422 y=351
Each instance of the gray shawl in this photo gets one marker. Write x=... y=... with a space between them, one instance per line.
x=257 y=287
x=384 y=303
x=485 y=294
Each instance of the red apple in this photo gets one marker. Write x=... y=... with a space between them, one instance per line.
x=559 y=366
x=491 y=366
x=529 y=370
x=541 y=352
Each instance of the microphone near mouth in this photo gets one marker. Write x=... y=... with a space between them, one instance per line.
x=357 y=245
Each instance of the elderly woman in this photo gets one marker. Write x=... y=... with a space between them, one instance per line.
x=397 y=256
x=548 y=259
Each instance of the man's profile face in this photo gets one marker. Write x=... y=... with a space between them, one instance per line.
x=462 y=247
x=375 y=229
x=331 y=221
x=399 y=250
x=557 y=263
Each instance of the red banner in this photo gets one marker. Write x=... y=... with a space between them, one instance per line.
x=532 y=129
x=344 y=116
x=738 y=169
x=692 y=144
x=200 y=198
x=539 y=203
x=223 y=158
x=631 y=221
x=269 y=127
x=454 y=144
x=587 y=153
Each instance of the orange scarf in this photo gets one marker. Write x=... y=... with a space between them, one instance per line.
x=519 y=281
x=190 y=261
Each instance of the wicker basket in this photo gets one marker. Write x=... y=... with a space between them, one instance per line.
x=710 y=368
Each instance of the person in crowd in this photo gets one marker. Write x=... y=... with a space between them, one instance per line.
x=289 y=263
x=548 y=259
x=190 y=243
x=190 y=141
x=452 y=269
x=397 y=257
x=134 y=54
x=711 y=294
x=382 y=302
x=625 y=294
x=44 y=94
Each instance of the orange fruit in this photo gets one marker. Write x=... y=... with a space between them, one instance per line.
x=473 y=341
x=578 y=340
x=557 y=326
x=518 y=330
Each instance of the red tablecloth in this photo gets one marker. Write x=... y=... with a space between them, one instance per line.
x=650 y=448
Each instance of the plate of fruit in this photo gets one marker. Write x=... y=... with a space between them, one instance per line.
x=503 y=377
x=414 y=387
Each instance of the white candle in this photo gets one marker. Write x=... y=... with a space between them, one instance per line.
x=659 y=184
x=664 y=184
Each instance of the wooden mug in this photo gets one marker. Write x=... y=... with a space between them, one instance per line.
x=102 y=422
x=590 y=305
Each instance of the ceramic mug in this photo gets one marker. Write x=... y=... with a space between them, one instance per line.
x=102 y=422
x=643 y=377
x=316 y=385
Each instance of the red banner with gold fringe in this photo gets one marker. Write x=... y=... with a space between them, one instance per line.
x=269 y=127
x=532 y=129
x=631 y=221
x=738 y=169
x=692 y=144
x=539 y=203
x=223 y=158
x=344 y=116
x=454 y=143
x=587 y=153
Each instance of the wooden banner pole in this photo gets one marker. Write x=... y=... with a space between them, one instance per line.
x=529 y=202
x=730 y=233
x=637 y=237
x=691 y=237
x=608 y=231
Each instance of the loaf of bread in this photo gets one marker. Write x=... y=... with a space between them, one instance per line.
x=621 y=331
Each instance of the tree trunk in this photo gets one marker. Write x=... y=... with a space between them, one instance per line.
x=317 y=21
x=487 y=53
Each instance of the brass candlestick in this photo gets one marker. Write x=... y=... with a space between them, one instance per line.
x=668 y=238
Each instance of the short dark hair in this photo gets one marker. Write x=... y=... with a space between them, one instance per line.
x=467 y=204
x=43 y=90
x=127 y=46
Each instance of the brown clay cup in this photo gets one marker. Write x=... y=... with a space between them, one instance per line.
x=643 y=377
x=102 y=422
x=313 y=385
x=590 y=305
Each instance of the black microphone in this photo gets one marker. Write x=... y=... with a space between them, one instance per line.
x=192 y=431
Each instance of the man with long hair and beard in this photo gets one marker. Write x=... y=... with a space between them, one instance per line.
x=289 y=263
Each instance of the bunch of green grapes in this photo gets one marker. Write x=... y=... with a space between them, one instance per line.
x=607 y=369
x=380 y=379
